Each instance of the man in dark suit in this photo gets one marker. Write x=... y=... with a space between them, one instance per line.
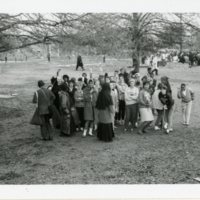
x=44 y=98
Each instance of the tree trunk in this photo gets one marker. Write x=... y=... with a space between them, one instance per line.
x=136 y=57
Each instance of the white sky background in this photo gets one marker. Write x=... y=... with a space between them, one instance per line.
x=99 y=191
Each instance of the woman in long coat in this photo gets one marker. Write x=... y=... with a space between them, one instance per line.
x=43 y=97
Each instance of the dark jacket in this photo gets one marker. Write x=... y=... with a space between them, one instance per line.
x=166 y=99
x=44 y=100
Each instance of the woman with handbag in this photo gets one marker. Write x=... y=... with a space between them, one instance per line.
x=43 y=97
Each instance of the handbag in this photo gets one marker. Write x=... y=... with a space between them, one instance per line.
x=36 y=119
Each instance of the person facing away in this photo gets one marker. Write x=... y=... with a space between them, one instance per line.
x=131 y=100
x=43 y=97
x=79 y=62
x=105 y=110
x=187 y=96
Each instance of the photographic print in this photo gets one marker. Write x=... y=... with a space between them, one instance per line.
x=97 y=98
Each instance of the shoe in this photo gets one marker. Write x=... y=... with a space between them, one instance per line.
x=81 y=129
x=136 y=125
x=125 y=130
x=166 y=125
x=156 y=128
x=84 y=133
x=95 y=127
x=90 y=132
x=167 y=131
x=132 y=130
x=184 y=123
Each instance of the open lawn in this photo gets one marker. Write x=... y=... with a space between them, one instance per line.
x=130 y=159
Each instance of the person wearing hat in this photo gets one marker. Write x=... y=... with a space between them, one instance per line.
x=44 y=98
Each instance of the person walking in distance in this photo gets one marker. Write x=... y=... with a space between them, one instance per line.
x=79 y=62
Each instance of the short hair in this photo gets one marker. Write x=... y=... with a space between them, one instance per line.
x=183 y=84
x=41 y=83
x=65 y=76
x=80 y=79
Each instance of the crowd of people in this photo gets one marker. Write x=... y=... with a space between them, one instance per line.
x=98 y=105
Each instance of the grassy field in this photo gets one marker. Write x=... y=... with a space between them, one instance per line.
x=130 y=159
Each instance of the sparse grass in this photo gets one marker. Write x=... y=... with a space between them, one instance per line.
x=129 y=159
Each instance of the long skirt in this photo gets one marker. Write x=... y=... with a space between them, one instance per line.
x=65 y=124
x=105 y=132
x=45 y=128
x=146 y=114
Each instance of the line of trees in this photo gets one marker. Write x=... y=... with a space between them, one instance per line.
x=136 y=33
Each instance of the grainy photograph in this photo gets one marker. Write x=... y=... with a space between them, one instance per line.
x=99 y=98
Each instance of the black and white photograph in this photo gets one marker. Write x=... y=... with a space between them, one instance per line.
x=99 y=98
